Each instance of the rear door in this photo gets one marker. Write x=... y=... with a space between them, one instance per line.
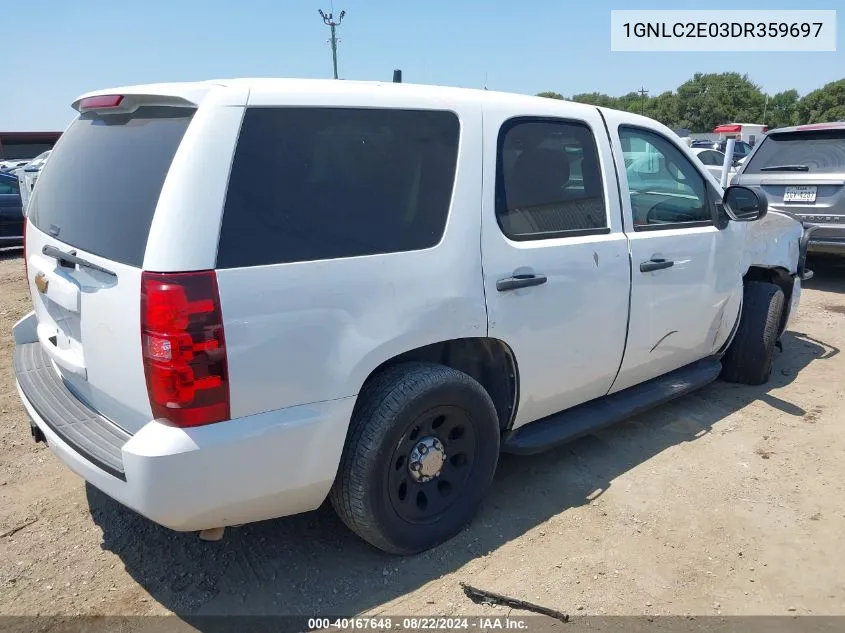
x=555 y=259
x=89 y=222
x=803 y=172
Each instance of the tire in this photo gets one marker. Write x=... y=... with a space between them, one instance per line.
x=749 y=357
x=378 y=495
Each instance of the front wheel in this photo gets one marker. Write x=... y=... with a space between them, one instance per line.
x=749 y=358
x=421 y=451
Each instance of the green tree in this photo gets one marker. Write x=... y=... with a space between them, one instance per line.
x=633 y=102
x=782 y=110
x=823 y=105
x=550 y=95
x=596 y=99
x=664 y=108
x=708 y=100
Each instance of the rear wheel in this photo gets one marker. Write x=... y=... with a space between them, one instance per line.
x=421 y=451
x=749 y=358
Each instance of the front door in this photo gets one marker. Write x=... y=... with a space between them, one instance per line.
x=554 y=256
x=686 y=288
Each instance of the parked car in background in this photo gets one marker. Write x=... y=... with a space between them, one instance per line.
x=277 y=304
x=11 y=211
x=741 y=148
x=802 y=171
x=12 y=165
x=28 y=175
x=713 y=161
x=38 y=161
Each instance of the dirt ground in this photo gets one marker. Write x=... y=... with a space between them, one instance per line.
x=730 y=501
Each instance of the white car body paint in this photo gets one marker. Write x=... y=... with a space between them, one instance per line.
x=715 y=170
x=303 y=337
x=772 y=242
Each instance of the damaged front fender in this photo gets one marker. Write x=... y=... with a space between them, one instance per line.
x=774 y=241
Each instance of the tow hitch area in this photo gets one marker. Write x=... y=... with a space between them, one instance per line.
x=803 y=272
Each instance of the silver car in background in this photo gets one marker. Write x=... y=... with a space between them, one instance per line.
x=802 y=171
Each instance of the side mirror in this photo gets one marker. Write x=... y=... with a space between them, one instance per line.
x=745 y=204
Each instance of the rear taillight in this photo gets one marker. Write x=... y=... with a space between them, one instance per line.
x=183 y=347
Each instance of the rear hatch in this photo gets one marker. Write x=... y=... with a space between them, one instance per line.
x=89 y=220
x=803 y=171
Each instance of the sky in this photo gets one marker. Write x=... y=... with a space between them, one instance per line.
x=526 y=46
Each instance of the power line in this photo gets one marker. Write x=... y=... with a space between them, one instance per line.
x=329 y=21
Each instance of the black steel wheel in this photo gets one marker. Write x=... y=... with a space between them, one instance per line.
x=431 y=464
x=421 y=451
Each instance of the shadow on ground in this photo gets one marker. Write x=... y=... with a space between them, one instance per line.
x=311 y=563
x=828 y=273
x=11 y=252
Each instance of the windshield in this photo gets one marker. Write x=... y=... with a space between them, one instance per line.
x=101 y=188
x=813 y=151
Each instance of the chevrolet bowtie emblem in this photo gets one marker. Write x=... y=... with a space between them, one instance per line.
x=41 y=282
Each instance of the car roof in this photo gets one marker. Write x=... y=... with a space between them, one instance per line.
x=192 y=91
x=833 y=125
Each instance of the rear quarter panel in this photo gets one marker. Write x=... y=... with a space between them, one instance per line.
x=313 y=331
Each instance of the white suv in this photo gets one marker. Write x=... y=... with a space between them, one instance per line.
x=252 y=295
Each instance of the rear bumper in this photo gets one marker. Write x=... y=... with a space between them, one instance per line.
x=827 y=246
x=826 y=239
x=249 y=469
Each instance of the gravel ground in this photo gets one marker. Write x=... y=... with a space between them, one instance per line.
x=726 y=501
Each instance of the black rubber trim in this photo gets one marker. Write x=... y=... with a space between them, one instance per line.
x=674 y=225
x=584 y=419
x=552 y=235
x=87 y=432
x=803 y=247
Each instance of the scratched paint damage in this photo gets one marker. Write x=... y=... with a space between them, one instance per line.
x=662 y=338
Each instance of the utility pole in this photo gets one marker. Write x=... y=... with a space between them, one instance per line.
x=329 y=21
x=643 y=92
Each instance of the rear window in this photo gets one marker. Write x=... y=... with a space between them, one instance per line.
x=99 y=190
x=821 y=151
x=323 y=183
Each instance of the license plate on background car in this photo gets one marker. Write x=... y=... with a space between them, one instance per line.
x=799 y=194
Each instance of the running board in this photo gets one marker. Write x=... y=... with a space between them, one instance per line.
x=561 y=428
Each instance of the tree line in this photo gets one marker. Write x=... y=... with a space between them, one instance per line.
x=710 y=99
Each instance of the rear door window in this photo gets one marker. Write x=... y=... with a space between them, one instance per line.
x=324 y=183
x=813 y=151
x=549 y=181
x=101 y=186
